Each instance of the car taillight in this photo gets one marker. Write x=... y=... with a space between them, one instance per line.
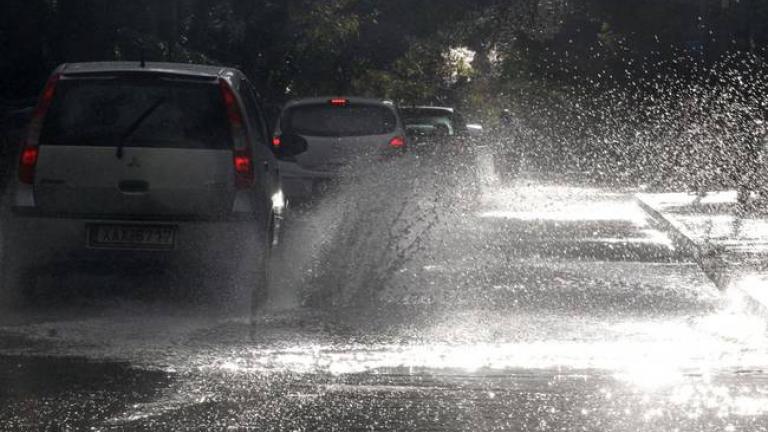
x=242 y=155
x=27 y=164
x=244 y=173
x=230 y=103
x=30 y=149
x=397 y=142
x=339 y=102
x=276 y=141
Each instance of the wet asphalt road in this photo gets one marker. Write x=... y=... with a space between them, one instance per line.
x=424 y=298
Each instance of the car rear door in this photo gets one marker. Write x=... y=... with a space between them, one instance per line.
x=137 y=145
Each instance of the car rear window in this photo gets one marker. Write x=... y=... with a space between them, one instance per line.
x=347 y=120
x=433 y=117
x=146 y=112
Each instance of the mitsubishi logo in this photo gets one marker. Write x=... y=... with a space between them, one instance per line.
x=134 y=163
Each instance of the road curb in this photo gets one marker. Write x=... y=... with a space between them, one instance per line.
x=708 y=258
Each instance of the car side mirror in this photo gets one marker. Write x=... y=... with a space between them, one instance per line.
x=291 y=145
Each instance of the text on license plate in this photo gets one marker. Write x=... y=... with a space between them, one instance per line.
x=132 y=236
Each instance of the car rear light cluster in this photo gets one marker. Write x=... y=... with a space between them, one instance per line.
x=339 y=102
x=27 y=164
x=397 y=142
x=30 y=151
x=242 y=153
x=244 y=174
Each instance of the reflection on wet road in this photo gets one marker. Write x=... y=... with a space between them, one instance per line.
x=436 y=300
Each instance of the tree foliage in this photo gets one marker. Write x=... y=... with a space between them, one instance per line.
x=395 y=48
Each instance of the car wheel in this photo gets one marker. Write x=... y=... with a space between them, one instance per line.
x=260 y=282
x=261 y=276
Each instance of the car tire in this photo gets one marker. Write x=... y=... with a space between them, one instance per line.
x=259 y=291
x=249 y=285
x=263 y=277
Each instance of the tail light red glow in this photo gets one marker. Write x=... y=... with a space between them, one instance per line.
x=243 y=164
x=397 y=142
x=31 y=150
x=242 y=157
x=339 y=102
x=230 y=102
x=27 y=164
x=276 y=141
x=244 y=173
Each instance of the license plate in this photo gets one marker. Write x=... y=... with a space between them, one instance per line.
x=131 y=236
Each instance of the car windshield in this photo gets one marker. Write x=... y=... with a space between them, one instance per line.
x=384 y=215
x=341 y=121
x=103 y=111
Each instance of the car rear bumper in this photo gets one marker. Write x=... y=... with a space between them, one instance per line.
x=38 y=241
x=300 y=183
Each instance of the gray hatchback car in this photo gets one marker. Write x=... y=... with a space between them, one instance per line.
x=336 y=131
x=144 y=165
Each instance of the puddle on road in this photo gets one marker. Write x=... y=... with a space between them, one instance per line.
x=647 y=353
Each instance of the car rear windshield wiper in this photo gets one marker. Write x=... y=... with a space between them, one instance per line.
x=135 y=126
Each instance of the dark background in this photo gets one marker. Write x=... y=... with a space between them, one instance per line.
x=582 y=75
x=341 y=46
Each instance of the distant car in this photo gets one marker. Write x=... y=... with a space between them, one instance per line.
x=431 y=128
x=432 y=117
x=336 y=131
x=144 y=164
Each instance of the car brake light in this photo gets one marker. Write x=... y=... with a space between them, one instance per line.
x=48 y=92
x=276 y=141
x=244 y=173
x=339 y=102
x=230 y=102
x=242 y=155
x=31 y=150
x=27 y=164
x=397 y=142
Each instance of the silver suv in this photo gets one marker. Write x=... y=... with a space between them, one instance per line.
x=144 y=164
x=335 y=131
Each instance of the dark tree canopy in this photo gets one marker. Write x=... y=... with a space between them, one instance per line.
x=394 y=48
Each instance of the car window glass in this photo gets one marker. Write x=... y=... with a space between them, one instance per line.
x=430 y=119
x=100 y=112
x=349 y=120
